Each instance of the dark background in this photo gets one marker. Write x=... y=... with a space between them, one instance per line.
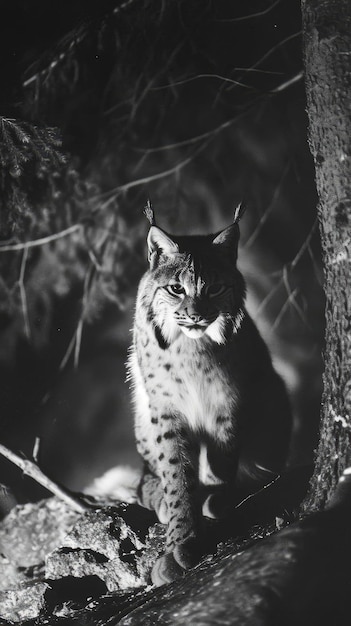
x=203 y=104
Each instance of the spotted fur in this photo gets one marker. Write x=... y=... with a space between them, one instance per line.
x=211 y=414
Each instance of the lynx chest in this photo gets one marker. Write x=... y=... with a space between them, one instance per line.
x=189 y=380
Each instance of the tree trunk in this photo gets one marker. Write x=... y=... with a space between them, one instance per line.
x=327 y=50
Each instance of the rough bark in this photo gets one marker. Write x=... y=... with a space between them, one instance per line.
x=327 y=50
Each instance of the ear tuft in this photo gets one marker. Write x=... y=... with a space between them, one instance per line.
x=239 y=212
x=158 y=241
x=229 y=237
x=149 y=213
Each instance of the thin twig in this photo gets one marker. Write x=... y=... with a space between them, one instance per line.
x=187 y=142
x=224 y=79
x=282 y=274
x=23 y=293
x=304 y=246
x=288 y=83
x=148 y=179
x=292 y=298
x=36 y=449
x=96 y=266
x=218 y=129
x=68 y=352
x=269 y=209
x=276 y=47
x=283 y=310
x=79 y=331
x=252 y=495
x=31 y=469
x=74 y=345
x=269 y=296
x=254 y=69
x=146 y=89
x=42 y=240
x=78 y=342
x=251 y=15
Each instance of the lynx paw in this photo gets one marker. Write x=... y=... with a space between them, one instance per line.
x=174 y=564
x=165 y=570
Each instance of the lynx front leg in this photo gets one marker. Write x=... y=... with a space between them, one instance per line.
x=175 y=468
x=218 y=465
x=151 y=495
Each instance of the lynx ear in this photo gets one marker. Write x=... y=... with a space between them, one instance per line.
x=229 y=237
x=158 y=241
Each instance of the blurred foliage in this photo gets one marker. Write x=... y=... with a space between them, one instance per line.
x=30 y=161
x=54 y=235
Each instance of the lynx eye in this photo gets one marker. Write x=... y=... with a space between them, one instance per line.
x=215 y=290
x=176 y=289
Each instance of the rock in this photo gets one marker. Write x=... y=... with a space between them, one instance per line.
x=154 y=547
x=23 y=603
x=99 y=543
x=10 y=574
x=102 y=544
x=103 y=531
x=30 y=531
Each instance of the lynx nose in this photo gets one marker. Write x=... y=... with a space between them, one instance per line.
x=195 y=317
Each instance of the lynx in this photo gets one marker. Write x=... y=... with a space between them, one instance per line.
x=212 y=417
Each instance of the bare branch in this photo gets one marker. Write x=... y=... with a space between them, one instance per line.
x=276 y=47
x=78 y=339
x=36 y=449
x=224 y=79
x=283 y=310
x=292 y=298
x=269 y=209
x=269 y=296
x=252 y=495
x=31 y=469
x=68 y=352
x=187 y=142
x=218 y=129
x=148 y=179
x=288 y=83
x=42 y=240
x=304 y=246
x=251 y=15
x=254 y=69
x=23 y=292
x=282 y=277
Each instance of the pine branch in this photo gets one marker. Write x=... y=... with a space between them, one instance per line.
x=60 y=55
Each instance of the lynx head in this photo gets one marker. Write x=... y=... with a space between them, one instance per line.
x=194 y=285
